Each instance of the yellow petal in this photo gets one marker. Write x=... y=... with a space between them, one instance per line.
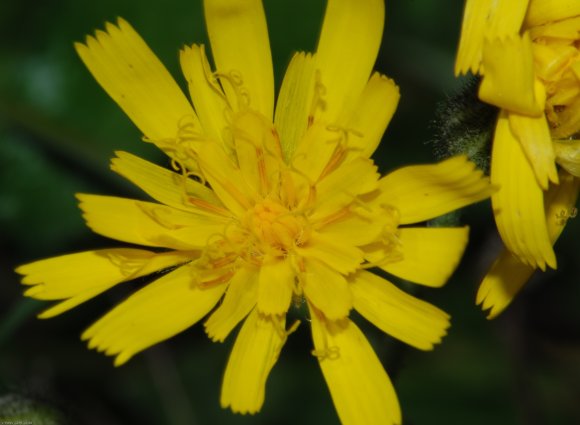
x=518 y=205
x=508 y=275
x=153 y=314
x=355 y=229
x=206 y=94
x=372 y=114
x=430 y=255
x=326 y=289
x=552 y=59
x=566 y=29
x=339 y=188
x=253 y=356
x=508 y=78
x=360 y=388
x=533 y=134
x=544 y=11
x=275 y=287
x=486 y=19
x=568 y=155
x=258 y=151
x=238 y=301
x=316 y=149
x=147 y=223
x=79 y=277
x=502 y=282
x=241 y=49
x=294 y=104
x=132 y=75
x=225 y=178
x=347 y=50
x=166 y=186
x=341 y=256
x=422 y=192
x=397 y=313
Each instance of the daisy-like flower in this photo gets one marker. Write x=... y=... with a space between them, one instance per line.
x=527 y=53
x=265 y=210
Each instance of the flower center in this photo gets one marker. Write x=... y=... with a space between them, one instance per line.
x=274 y=228
x=556 y=64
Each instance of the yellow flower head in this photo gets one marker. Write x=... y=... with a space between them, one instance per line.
x=264 y=211
x=528 y=54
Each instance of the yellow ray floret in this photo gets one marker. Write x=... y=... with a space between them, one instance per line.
x=508 y=274
x=294 y=106
x=508 y=75
x=237 y=303
x=486 y=19
x=132 y=75
x=162 y=309
x=397 y=313
x=361 y=390
x=65 y=277
x=428 y=255
x=275 y=287
x=535 y=140
x=147 y=223
x=206 y=94
x=372 y=114
x=518 y=204
x=424 y=192
x=319 y=282
x=254 y=354
x=543 y=11
x=167 y=187
x=241 y=49
x=351 y=30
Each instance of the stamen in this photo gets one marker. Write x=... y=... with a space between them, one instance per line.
x=293 y=328
x=564 y=215
x=222 y=262
x=284 y=334
x=217 y=281
x=157 y=213
x=207 y=206
x=341 y=150
x=328 y=353
x=392 y=247
x=127 y=267
x=334 y=162
x=336 y=216
x=210 y=77
x=236 y=82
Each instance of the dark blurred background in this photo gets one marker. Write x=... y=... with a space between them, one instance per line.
x=58 y=130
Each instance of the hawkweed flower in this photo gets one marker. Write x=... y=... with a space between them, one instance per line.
x=527 y=53
x=265 y=210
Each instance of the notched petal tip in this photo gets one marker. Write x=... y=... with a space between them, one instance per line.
x=502 y=283
x=397 y=313
x=80 y=48
x=123 y=24
x=423 y=192
x=253 y=356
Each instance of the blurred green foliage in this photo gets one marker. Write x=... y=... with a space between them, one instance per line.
x=58 y=130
